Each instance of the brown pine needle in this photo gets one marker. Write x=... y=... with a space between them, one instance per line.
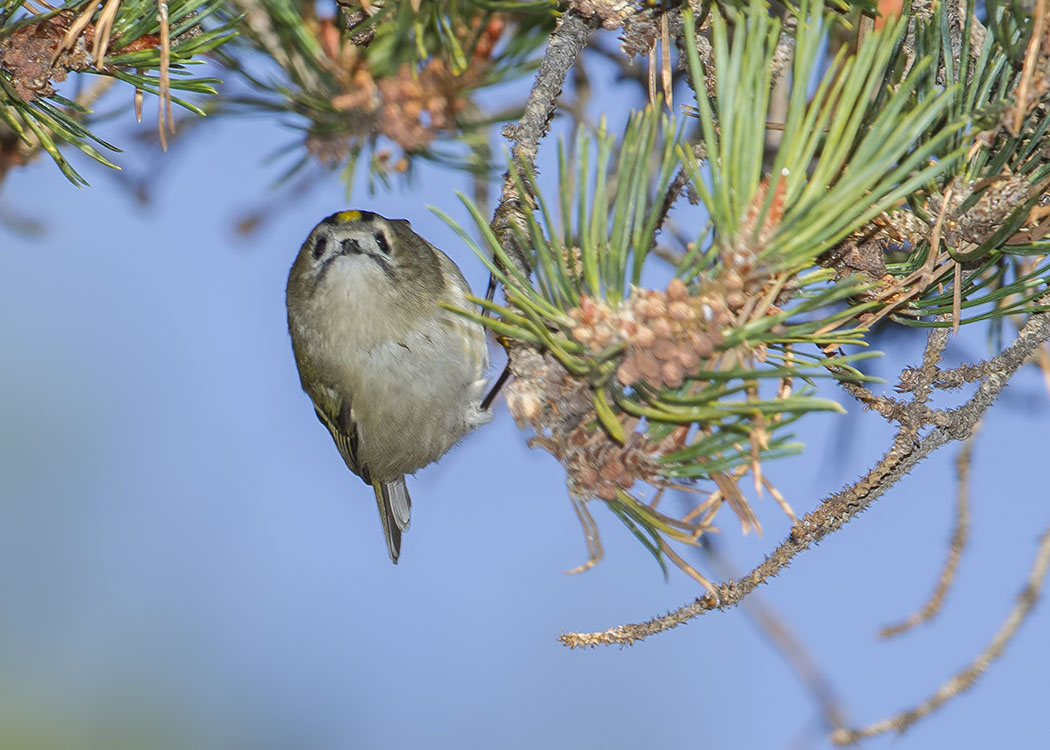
x=29 y=7
x=74 y=32
x=103 y=30
x=714 y=500
x=665 y=66
x=138 y=105
x=689 y=570
x=590 y=536
x=731 y=492
x=781 y=500
x=1031 y=59
x=164 y=116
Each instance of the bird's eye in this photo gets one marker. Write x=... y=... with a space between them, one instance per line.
x=319 y=247
x=383 y=242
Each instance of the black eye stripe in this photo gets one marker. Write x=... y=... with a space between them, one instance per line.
x=319 y=247
x=383 y=243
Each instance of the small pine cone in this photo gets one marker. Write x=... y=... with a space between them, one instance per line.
x=586 y=478
x=665 y=350
x=662 y=328
x=657 y=305
x=606 y=491
x=701 y=344
x=672 y=373
x=602 y=336
x=583 y=334
x=612 y=470
x=734 y=281
x=716 y=336
x=676 y=290
x=735 y=299
x=644 y=337
x=647 y=365
x=579 y=437
x=680 y=311
x=688 y=358
x=627 y=372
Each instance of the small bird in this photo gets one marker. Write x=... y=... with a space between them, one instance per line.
x=396 y=378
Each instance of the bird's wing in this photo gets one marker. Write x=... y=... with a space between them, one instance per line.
x=395 y=506
x=336 y=415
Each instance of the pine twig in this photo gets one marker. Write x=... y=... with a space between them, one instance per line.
x=960 y=534
x=566 y=43
x=841 y=507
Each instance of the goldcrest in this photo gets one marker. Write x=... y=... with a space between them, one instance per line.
x=396 y=378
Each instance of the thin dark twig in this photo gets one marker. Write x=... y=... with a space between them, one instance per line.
x=496 y=388
x=673 y=191
x=960 y=535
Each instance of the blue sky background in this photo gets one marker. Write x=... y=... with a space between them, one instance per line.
x=185 y=561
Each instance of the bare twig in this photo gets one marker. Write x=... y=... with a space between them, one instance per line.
x=841 y=507
x=968 y=677
x=565 y=45
x=955 y=548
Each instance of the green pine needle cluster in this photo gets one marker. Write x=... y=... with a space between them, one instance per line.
x=345 y=73
x=30 y=39
x=886 y=131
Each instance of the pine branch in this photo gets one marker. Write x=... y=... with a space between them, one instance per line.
x=564 y=47
x=840 y=508
x=145 y=43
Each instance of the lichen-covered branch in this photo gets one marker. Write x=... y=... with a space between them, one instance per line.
x=565 y=46
x=960 y=534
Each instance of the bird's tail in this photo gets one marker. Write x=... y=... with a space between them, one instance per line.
x=395 y=511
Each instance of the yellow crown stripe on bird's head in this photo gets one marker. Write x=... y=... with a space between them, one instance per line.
x=350 y=217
